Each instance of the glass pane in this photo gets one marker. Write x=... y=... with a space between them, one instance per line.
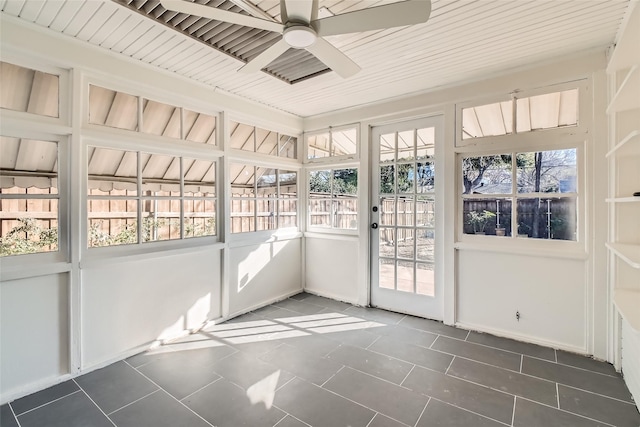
x=487 y=120
x=425 y=177
x=547 y=171
x=425 y=280
x=29 y=91
x=551 y=110
x=345 y=209
x=266 y=142
x=160 y=119
x=199 y=217
x=406 y=178
x=288 y=182
x=160 y=219
x=425 y=142
x=114 y=109
x=405 y=213
x=487 y=174
x=345 y=181
x=199 y=178
x=387 y=273
x=319 y=211
x=242 y=215
x=405 y=241
x=343 y=142
x=388 y=147
x=28 y=166
x=406 y=145
x=425 y=244
x=320 y=182
x=287 y=213
x=387 y=211
x=242 y=136
x=242 y=180
x=28 y=226
x=112 y=172
x=547 y=218
x=267 y=182
x=405 y=276
x=387 y=245
x=387 y=180
x=266 y=214
x=487 y=216
x=288 y=147
x=199 y=127
x=160 y=175
x=318 y=146
x=425 y=211
x=112 y=222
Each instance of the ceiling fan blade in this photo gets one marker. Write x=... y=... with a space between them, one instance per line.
x=221 y=15
x=333 y=58
x=375 y=18
x=266 y=57
x=296 y=10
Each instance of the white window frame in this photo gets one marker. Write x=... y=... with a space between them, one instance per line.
x=331 y=167
x=568 y=137
x=238 y=151
x=331 y=159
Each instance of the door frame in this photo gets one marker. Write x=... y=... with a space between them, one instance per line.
x=438 y=310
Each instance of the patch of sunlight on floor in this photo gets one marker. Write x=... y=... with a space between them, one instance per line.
x=264 y=390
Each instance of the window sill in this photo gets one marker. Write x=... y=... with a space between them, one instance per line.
x=255 y=238
x=524 y=248
x=333 y=234
x=26 y=270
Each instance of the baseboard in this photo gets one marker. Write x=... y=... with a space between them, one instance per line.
x=331 y=296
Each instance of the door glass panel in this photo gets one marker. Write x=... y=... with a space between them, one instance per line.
x=425 y=211
x=387 y=210
x=405 y=243
x=406 y=145
x=425 y=279
x=387 y=180
x=425 y=142
x=425 y=177
x=387 y=273
x=406 y=178
x=405 y=276
x=387 y=242
x=388 y=147
x=425 y=244
x=405 y=213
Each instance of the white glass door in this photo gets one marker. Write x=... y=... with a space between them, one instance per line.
x=403 y=221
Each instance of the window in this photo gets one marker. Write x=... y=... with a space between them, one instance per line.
x=262 y=198
x=546 y=111
x=332 y=143
x=29 y=196
x=333 y=198
x=30 y=91
x=257 y=140
x=525 y=194
x=138 y=197
x=120 y=110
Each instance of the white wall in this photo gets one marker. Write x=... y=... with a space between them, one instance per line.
x=549 y=293
x=262 y=273
x=34 y=333
x=130 y=303
x=331 y=268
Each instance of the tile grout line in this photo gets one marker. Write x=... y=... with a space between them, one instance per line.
x=466 y=410
x=44 y=404
x=131 y=403
x=372 y=418
x=292 y=378
x=15 y=417
x=172 y=396
x=382 y=379
x=555 y=354
x=422 y=413
x=629 y=402
x=283 y=417
x=329 y=379
x=374 y=341
x=557 y=395
x=204 y=386
x=94 y=402
x=521 y=362
x=450 y=363
x=407 y=376
x=290 y=415
x=568 y=412
x=513 y=414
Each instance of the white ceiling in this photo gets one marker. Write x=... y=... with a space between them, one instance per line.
x=463 y=40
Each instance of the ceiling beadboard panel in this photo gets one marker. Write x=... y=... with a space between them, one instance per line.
x=463 y=40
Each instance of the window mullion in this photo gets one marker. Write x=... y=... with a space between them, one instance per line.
x=140 y=200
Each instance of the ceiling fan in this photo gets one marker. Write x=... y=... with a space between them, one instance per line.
x=301 y=28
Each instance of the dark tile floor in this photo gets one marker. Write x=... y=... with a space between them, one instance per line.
x=310 y=361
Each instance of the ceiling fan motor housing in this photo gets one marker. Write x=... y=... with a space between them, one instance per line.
x=299 y=36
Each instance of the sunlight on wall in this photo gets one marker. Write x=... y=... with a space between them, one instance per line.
x=255 y=262
x=198 y=314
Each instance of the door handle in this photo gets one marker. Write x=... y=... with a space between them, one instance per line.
x=374 y=225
